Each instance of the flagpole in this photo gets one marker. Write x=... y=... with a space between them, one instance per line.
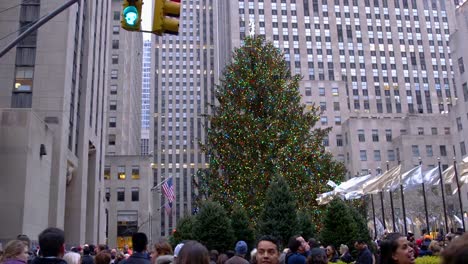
x=443 y=196
x=403 y=203
x=459 y=193
x=424 y=196
x=381 y=203
x=373 y=212
x=391 y=204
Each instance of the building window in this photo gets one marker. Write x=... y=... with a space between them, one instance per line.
x=111 y=140
x=135 y=194
x=459 y=124
x=107 y=173
x=115 y=58
x=121 y=173
x=443 y=151
x=429 y=151
x=461 y=66
x=135 y=172
x=447 y=130
x=113 y=105
x=115 y=30
x=324 y=120
x=337 y=120
x=375 y=135
x=116 y=15
x=336 y=106
x=420 y=130
x=308 y=91
x=415 y=150
x=377 y=156
x=363 y=155
x=339 y=140
x=321 y=91
x=108 y=194
x=114 y=74
x=115 y=44
x=463 y=148
x=113 y=89
x=434 y=130
x=388 y=135
x=361 y=136
x=120 y=194
x=24 y=79
x=112 y=121
x=391 y=155
x=465 y=91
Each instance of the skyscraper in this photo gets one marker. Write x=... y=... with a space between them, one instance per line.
x=186 y=69
x=52 y=119
x=146 y=99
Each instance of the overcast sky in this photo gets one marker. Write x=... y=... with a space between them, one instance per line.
x=147 y=17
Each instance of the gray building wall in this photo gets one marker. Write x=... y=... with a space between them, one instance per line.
x=64 y=65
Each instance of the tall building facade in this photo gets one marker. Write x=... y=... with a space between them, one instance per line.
x=53 y=110
x=127 y=174
x=380 y=71
x=460 y=114
x=186 y=69
x=146 y=100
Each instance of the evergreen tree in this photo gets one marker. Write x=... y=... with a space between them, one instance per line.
x=305 y=225
x=260 y=129
x=241 y=226
x=184 y=230
x=361 y=232
x=338 y=225
x=212 y=227
x=278 y=217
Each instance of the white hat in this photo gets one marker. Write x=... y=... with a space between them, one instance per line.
x=177 y=249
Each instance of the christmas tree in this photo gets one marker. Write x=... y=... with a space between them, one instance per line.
x=260 y=129
x=241 y=225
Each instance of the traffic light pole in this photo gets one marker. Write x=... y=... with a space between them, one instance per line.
x=37 y=25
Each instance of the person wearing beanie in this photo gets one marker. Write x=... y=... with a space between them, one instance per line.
x=241 y=250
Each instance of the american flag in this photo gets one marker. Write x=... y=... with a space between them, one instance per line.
x=168 y=190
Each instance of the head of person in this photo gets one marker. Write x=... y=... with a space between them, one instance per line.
x=193 y=253
x=161 y=248
x=294 y=244
x=396 y=249
x=267 y=250
x=456 y=252
x=86 y=250
x=317 y=259
x=15 y=250
x=25 y=239
x=360 y=245
x=140 y=242
x=214 y=255
x=222 y=258
x=435 y=248
x=241 y=248
x=343 y=249
x=331 y=251
x=102 y=258
x=304 y=245
x=313 y=243
x=52 y=242
x=72 y=258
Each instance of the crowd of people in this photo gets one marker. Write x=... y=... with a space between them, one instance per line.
x=394 y=248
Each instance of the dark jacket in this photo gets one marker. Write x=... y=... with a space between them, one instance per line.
x=40 y=260
x=237 y=260
x=364 y=257
x=334 y=259
x=87 y=259
x=136 y=258
x=347 y=258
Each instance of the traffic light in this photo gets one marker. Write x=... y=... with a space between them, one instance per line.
x=131 y=15
x=162 y=23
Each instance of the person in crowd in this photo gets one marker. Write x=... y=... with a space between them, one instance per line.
x=345 y=256
x=412 y=240
x=332 y=255
x=424 y=248
x=139 y=256
x=364 y=255
x=317 y=259
x=72 y=258
x=294 y=255
x=316 y=250
x=214 y=256
x=87 y=258
x=177 y=250
x=253 y=256
x=222 y=258
x=267 y=250
x=15 y=252
x=241 y=251
x=52 y=247
x=230 y=253
x=162 y=253
x=193 y=253
x=396 y=249
x=456 y=252
x=102 y=257
x=434 y=248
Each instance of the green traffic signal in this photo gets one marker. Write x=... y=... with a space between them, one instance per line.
x=131 y=15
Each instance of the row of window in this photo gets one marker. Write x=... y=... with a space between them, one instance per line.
x=121 y=172
x=414 y=149
x=120 y=191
